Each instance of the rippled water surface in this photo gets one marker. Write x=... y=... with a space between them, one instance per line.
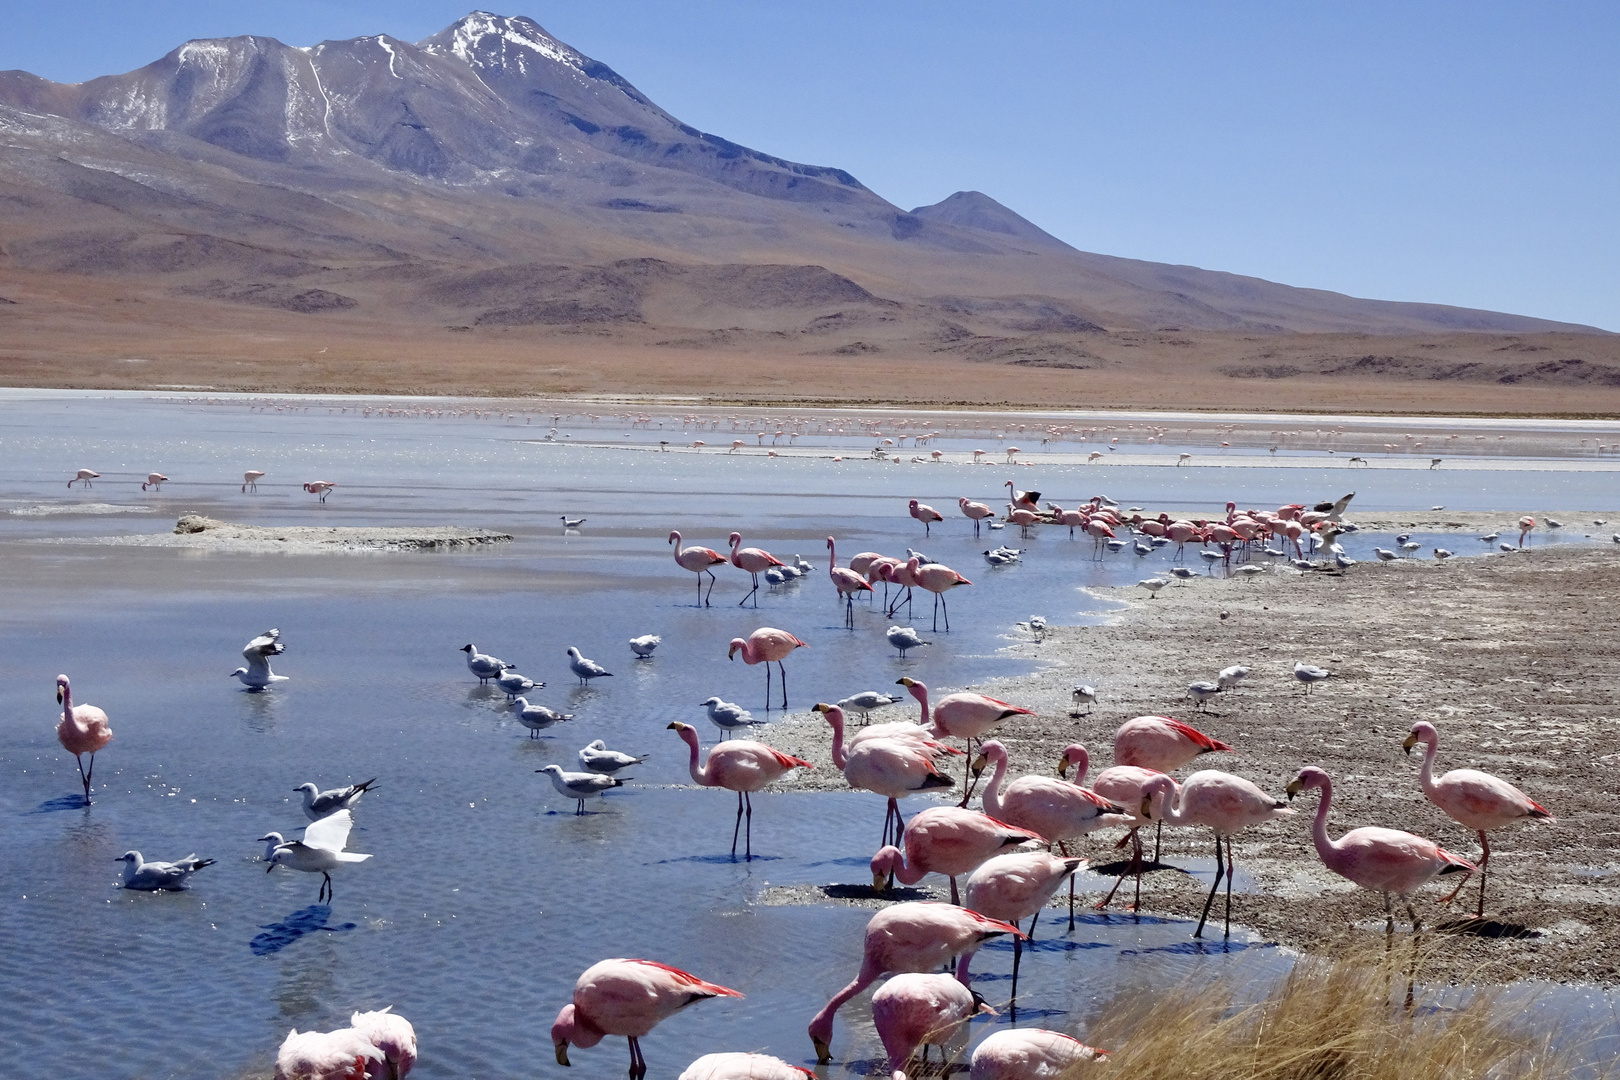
x=486 y=895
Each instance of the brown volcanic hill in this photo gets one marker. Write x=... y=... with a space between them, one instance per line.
x=492 y=180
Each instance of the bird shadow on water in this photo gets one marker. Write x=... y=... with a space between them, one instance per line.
x=61 y=802
x=1200 y=948
x=279 y=935
x=866 y=892
x=717 y=859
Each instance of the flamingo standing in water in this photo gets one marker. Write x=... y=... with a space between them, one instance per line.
x=910 y=938
x=946 y=840
x=628 y=998
x=323 y=488
x=921 y=1010
x=1526 y=525
x=966 y=716
x=744 y=1066
x=978 y=511
x=250 y=479
x=1225 y=803
x=767 y=645
x=154 y=481
x=892 y=765
x=925 y=514
x=83 y=730
x=1122 y=785
x=1384 y=861
x=1015 y=887
x=1162 y=744
x=1475 y=800
x=739 y=765
x=937 y=579
x=846 y=581
x=1024 y=500
x=755 y=561
x=84 y=477
x=698 y=560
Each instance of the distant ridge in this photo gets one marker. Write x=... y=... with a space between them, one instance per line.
x=976 y=210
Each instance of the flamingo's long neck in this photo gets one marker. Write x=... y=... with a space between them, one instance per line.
x=1325 y=847
x=678 y=545
x=992 y=790
x=835 y=717
x=700 y=774
x=1426 y=773
x=920 y=692
x=905 y=872
x=832 y=557
x=1165 y=807
x=1082 y=766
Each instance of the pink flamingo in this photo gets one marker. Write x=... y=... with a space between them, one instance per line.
x=966 y=716
x=937 y=578
x=741 y=1066
x=1057 y=809
x=698 y=560
x=1122 y=785
x=250 y=479
x=394 y=1036
x=1029 y=1054
x=893 y=766
x=1014 y=887
x=1027 y=500
x=345 y=1054
x=925 y=514
x=767 y=645
x=1526 y=525
x=1023 y=517
x=945 y=840
x=847 y=582
x=910 y=938
x=1384 y=861
x=921 y=1010
x=1225 y=803
x=84 y=477
x=739 y=765
x=1181 y=532
x=1072 y=518
x=1161 y=743
x=978 y=511
x=323 y=488
x=83 y=730
x=629 y=998
x=895 y=572
x=755 y=561
x=155 y=481
x=1099 y=531
x=1475 y=800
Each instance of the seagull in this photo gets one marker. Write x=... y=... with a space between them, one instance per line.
x=585 y=669
x=145 y=876
x=1153 y=585
x=1210 y=557
x=1183 y=572
x=536 y=717
x=1310 y=674
x=996 y=524
x=319 y=804
x=1386 y=556
x=729 y=717
x=1434 y=508
x=572 y=523
x=1488 y=538
x=515 y=684
x=597 y=758
x=1143 y=549
x=1001 y=556
x=1230 y=677
x=904 y=637
x=1202 y=690
x=1403 y=538
x=580 y=786
x=1083 y=694
x=484 y=666
x=1442 y=553
x=1554 y=523
x=1507 y=547
x=866 y=701
x=922 y=560
x=257 y=675
x=644 y=645
x=802 y=565
x=1334 y=510
x=776 y=575
x=1411 y=545
x=1115 y=545
x=1037 y=625
x=1251 y=571
x=1298 y=564
x=1344 y=561
x=319 y=852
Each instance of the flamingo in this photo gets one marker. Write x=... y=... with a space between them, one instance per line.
x=966 y=716
x=891 y=765
x=937 y=578
x=84 y=477
x=925 y=514
x=739 y=765
x=754 y=560
x=1384 y=861
x=1225 y=803
x=698 y=560
x=629 y=998
x=1022 y=517
x=1161 y=743
x=1475 y=800
x=978 y=511
x=945 y=840
x=154 y=481
x=1027 y=500
x=910 y=938
x=1526 y=524
x=83 y=730
x=327 y=1055
x=323 y=488
x=1014 y=887
x=1122 y=785
x=1029 y=1054
x=393 y=1035
x=767 y=645
x=1057 y=809
x=846 y=581
x=250 y=479
x=921 y=1010
x=741 y=1066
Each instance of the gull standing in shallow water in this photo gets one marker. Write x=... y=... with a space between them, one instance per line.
x=536 y=717
x=585 y=669
x=903 y=638
x=257 y=675
x=597 y=758
x=319 y=852
x=483 y=665
x=516 y=685
x=644 y=645
x=580 y=786
x=319 y=804
x=145 y=876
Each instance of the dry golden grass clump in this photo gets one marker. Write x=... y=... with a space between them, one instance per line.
x=1328 y=1020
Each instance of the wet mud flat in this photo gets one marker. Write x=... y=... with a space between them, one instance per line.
x=196 y=531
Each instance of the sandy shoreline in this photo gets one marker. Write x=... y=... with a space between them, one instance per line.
x=195 y=531
x=1514 y=658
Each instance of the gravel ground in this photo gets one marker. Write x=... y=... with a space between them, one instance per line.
x=1515 y=658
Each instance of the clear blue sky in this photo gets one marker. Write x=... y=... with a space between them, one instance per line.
x=1463 y=153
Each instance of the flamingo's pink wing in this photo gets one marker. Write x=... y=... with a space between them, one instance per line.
x=687 y=979
x=1195 y=736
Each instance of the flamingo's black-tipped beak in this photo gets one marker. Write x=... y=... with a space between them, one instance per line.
x=562 y=1054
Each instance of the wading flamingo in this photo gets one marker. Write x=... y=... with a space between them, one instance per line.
x=978 y=511
x=1526 y=525
x=910 y=938
x=323 y=488
x=83 y=730
x=1024 y=500
x=1384 y=861
x=739 y=765
x=250 y=479
x=393 y=1035
x=946 y=840
x=921 y=1010
x=937 y=579
x=1475 y=800
x=965 y=716
x=155 y=481
x=755 y=561
x=1014 y=887
x=1029 y=1054
x=1122 y=785
x=890 y=765
x=628 y=998
x=327 y=1055
x=767 y=645
x=925 y=514
x=1225 y=803
x=698 y=560
x=84 y=477
x=846 y=581
x=742 y=1066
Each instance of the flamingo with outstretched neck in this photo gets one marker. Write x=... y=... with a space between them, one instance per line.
x=946 y=840
x=628 y=998
x=767 y=645
x=83 y=730
x=699 y=560
x=846 y=581
x=755 y=561
x=739 y=765
x=966 y=716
